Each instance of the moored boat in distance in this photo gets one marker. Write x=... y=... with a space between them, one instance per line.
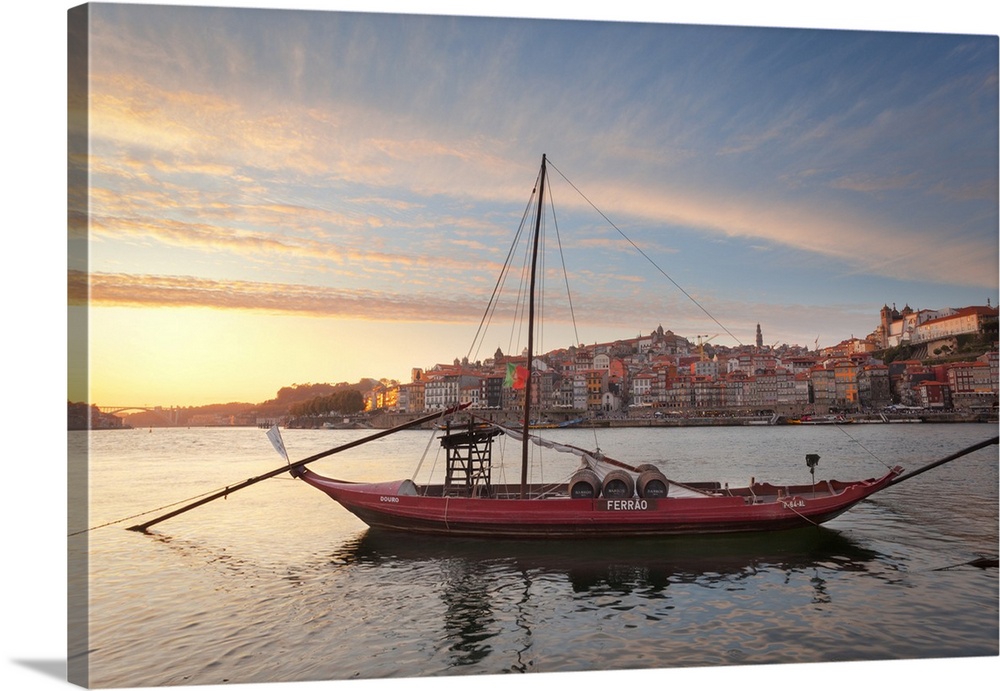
x=346 y=423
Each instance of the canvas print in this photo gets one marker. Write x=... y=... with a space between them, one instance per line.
x=420 y=346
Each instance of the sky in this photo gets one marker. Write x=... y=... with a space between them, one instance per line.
x=280 y=197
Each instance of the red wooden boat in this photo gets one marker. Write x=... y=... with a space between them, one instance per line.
x=553 y=513
x=604 y=498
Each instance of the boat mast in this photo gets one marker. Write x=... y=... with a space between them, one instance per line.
x=531 y=334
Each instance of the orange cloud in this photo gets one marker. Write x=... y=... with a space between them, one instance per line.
x=133 y=290
x=454 y=306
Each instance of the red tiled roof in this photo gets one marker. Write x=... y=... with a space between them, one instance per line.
x=965 y=312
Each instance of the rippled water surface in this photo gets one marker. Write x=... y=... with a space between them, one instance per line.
x=278 y=583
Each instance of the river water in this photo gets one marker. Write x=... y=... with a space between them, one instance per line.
x=277 y=583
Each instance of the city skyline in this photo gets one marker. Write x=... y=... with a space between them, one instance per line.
x=483 y=364
x=282 y=197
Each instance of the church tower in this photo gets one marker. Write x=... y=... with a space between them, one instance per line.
x=760 y=338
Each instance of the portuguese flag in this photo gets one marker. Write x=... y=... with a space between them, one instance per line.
x=517 y=375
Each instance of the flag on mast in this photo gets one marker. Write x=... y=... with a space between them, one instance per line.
x=517 y=376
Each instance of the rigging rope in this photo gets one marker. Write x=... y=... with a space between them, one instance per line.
x=865 y=448
x=498 y=287
x=129 y=518
x=562 y=258
x=789 y=506
x=423 y=457
x=645 y=256
x=534 y=204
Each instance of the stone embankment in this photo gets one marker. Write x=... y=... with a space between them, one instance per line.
x=387 y=420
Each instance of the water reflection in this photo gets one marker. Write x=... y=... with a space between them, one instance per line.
x=469 y=622
x=493 y=592
x=650 y=564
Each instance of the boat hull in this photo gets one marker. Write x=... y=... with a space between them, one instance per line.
x=399 y=506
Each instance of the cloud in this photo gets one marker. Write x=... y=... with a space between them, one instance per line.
x=104 y=289
x=846 y=235
x=146 y=291
x=871 y=183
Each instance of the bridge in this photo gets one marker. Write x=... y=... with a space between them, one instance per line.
x=168 y=415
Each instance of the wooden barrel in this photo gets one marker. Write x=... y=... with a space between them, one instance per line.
x=652 y=484
x=643 y=467
x=584 y=484
x=618 y=484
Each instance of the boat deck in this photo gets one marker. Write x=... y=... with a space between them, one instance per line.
x=757 y=493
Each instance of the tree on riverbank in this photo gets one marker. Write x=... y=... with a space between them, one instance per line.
x=346 y=402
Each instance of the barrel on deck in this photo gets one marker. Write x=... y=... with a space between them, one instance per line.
x=652 y=484
x=584 y=484
x=618 y=485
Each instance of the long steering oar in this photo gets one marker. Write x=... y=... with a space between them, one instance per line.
x=291 y=467
x=947 y=459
